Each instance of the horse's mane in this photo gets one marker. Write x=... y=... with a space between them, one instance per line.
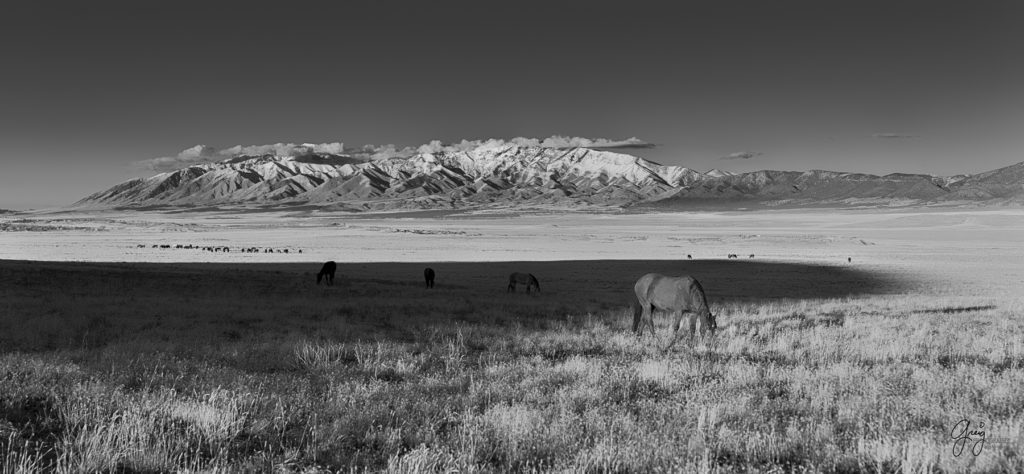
x=703 y=296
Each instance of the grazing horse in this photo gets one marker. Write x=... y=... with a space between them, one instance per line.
x=523 y=278
x=327 y=271
x=677 y=295
x=751 y=255
x=428 y=276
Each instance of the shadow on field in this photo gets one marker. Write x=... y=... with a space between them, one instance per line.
x=723 y=280
x=54 y=305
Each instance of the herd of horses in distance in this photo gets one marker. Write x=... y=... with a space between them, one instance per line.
x=681 y=296
x=273 y=250
x=218 y=248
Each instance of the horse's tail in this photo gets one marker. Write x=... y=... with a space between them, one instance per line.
x=638 y=310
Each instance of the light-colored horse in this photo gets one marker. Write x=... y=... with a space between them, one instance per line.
x=677 y=295
x=525 y=279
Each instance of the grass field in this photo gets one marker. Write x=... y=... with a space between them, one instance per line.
x=109 y=367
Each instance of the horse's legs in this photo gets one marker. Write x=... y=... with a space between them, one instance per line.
x=647 y=318
x=637 y=313
x=693 y=322
x=639 y=319
x=677 y=323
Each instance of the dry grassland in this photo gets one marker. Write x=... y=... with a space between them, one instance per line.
x=201 y=368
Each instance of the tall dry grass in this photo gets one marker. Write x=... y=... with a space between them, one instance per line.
x=191 y=370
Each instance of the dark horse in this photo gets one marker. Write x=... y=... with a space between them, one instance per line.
x=428 y=275
x=327 y=271
x=677 y=295
x=523 y=278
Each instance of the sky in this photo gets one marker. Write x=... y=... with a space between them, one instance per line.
x=89 y=89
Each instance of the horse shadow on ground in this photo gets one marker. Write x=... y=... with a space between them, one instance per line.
x=797 y=321
x=955 y=309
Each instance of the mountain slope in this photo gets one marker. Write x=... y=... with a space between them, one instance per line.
x=810 y=187
x=502 y=173
x=1005 y=184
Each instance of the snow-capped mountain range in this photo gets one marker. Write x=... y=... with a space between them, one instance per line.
x=498 y=173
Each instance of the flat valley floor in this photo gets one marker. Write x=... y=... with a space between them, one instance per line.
x=852 y=341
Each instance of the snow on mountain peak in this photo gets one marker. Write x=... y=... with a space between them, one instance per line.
x=201 y=154
x=474 y=171
x=717 y=173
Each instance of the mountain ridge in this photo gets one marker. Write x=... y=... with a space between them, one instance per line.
x=497 y=174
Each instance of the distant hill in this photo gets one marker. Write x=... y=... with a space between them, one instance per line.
x=1006 y=184
x=507 y=174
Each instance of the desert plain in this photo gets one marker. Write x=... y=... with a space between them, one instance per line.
x=853 y=340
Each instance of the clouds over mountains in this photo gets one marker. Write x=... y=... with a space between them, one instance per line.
x=201 y=154
x=893 y=136
x=741 y=155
